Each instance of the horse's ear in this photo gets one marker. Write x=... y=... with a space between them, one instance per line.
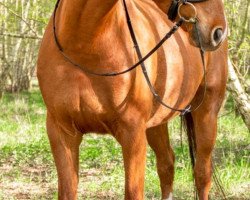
x=172 y=12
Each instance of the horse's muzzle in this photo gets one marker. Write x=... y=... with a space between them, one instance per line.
x=209 y=40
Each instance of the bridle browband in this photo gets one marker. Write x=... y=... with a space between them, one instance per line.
x=139 y=54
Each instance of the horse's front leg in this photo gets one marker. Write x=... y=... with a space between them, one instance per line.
x=65 y=149
x=158 y=140
x=133 y=142
x=205 y=132
x=205 y=127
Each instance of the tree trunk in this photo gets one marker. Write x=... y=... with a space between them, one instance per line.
x=240 y=96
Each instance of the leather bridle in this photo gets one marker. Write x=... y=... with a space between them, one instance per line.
x=173 y=9
x=175 y=5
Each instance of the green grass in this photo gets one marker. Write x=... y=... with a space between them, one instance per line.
x=27 y=170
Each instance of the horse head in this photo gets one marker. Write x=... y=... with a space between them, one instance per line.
x=204 y=20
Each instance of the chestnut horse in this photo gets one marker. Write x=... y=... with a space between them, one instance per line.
x=95 y=35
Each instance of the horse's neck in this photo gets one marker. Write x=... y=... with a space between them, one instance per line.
x=90 y=10
x=163 y=4
x=78 y=18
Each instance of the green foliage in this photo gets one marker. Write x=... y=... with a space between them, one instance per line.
x=238 y=16
x=22 y=25
x=27 y=169
x=26 y=166
x=38 y=13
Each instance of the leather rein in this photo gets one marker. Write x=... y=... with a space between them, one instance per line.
x=172 y=13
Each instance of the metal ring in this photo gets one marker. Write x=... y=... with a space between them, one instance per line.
x=191 y=19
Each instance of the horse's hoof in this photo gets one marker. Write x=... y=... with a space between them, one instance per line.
x=170 y=197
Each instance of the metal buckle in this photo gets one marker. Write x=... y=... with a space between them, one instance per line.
x=191 y=19
x=186 y=110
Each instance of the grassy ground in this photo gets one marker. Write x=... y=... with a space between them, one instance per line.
x=27 y=170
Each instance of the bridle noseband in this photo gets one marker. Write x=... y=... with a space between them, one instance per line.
x=172 y=13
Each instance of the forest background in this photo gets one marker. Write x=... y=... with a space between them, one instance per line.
x=26 y=166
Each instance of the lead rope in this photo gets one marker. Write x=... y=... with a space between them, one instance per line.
x=144 y=70
x=218 y=183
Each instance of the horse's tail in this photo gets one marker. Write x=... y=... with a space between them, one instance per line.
x=187 y=125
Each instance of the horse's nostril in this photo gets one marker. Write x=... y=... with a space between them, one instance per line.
x=217 y=35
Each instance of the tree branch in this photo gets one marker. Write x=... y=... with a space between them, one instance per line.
x=19 y=16
x=240 y=96
x=244 y=29
x=23 y=36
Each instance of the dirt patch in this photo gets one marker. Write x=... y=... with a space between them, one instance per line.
x=22 y=190
x=40 y=182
